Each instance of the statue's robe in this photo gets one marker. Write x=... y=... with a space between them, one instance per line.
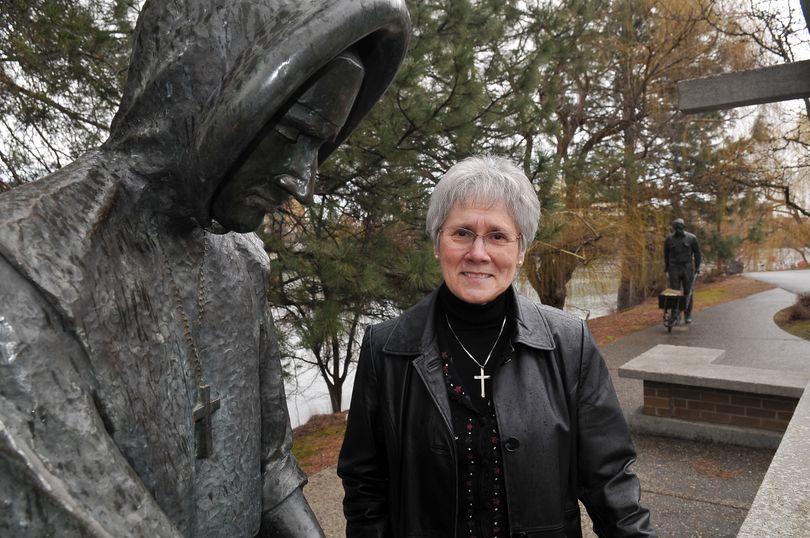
x=111 y=276
x=97 y=381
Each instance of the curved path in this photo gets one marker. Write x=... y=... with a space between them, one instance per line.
x=793 y=281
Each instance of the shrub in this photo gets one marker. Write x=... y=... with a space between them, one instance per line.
x=801 y=309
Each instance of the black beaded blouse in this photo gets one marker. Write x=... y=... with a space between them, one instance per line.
x=481 y=510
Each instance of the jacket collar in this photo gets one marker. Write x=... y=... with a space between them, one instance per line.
x=531 y=327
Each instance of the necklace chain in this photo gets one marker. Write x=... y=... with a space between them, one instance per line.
x=205 y=406
x=196 y=363
x=489 y=355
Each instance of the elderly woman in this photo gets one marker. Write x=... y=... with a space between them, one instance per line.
x=478 y=412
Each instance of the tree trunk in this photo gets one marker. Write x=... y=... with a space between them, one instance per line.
x=549 y=273
x=336 y=396
x=336 y=386
x=640 y=261
x=630 y=292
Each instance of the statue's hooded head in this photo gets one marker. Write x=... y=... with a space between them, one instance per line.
x=230 y=105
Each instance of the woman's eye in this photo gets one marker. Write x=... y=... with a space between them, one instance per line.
x=497 y=237
x=463 y=232
x=290 y=133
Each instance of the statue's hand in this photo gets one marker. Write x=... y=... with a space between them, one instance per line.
x=292 y=518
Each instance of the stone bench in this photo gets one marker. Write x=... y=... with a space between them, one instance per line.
x=687 y=395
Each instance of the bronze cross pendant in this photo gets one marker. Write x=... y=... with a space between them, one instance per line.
x=202 y=421
x=482 y=377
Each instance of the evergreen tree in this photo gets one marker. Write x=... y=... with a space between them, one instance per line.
x=62 y=66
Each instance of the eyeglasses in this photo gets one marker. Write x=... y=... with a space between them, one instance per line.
x=464 y=238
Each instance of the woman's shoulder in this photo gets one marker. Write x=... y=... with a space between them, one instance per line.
x=383 y=327
x=401 y=335
x=551 y=315
x=549 y=327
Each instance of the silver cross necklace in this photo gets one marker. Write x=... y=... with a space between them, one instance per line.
x=483 y=376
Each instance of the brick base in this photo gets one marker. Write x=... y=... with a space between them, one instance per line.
x=718 y=406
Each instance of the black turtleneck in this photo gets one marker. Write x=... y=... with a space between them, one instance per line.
x=477 y=327
x=481 y=495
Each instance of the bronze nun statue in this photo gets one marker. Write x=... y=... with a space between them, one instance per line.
x=140 y=382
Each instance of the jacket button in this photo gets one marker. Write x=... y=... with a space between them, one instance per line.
x=511 y=444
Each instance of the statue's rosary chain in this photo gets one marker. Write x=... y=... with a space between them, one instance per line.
x=205 y=406
x=201 y=298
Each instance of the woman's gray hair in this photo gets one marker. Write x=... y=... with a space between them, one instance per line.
x=489 y=180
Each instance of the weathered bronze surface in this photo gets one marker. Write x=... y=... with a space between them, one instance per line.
x=132 y=305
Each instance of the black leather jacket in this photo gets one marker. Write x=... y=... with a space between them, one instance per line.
x=562 y=431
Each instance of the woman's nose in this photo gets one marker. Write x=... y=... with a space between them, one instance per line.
x=478 y=249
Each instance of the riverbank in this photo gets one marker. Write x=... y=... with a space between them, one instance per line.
x=317 y=443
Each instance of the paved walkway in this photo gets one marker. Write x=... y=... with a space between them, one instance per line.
x=693 y=489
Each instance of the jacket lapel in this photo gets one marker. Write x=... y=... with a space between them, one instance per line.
x=429 y=368
x=531 y=327
x=415 y=336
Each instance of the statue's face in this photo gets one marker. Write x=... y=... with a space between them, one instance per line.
x=284 y=159
x=678 y=228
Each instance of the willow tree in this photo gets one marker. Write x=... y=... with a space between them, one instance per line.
x=608 y=82
x=655 y=44
x=781 y=159
x=567 y=73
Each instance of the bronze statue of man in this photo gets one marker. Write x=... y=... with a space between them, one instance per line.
x=682 y=259
x=140 y=384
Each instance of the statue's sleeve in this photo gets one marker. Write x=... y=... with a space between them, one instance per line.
x=285 y=510
x=61 y=473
